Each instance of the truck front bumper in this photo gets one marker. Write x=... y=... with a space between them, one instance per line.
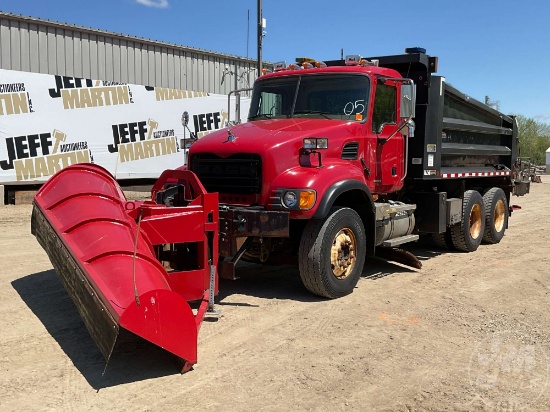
x=244 y=222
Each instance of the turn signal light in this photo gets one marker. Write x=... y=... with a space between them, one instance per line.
x=307 y=199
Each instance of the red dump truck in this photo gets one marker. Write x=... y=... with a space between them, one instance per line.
x=339 y=160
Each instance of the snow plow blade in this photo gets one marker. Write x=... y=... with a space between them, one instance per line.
x=132 y=265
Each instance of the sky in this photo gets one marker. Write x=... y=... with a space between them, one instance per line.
x=495 y=48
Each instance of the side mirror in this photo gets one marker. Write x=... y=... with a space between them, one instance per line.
x=408 y=100
x=184 y=119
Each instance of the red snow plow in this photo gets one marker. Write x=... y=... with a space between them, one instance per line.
x=133 y=265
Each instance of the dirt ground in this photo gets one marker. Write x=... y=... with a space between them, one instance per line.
x=467 y=332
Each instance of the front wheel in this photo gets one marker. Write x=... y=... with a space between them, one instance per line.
x=332 y=253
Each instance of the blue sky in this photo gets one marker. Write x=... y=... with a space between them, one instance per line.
x=495 y=48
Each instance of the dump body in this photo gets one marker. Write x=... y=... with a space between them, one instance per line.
x=455 y=133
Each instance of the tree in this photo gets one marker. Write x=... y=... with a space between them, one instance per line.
x=534 y=139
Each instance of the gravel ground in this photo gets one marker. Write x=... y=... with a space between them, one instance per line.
x=467 y=332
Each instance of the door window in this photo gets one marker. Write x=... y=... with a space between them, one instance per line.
x=385 y=104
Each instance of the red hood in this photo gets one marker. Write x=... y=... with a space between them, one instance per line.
x=265 y=135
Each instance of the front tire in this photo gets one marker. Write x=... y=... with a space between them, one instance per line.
x=332 y=253
x=467 y=234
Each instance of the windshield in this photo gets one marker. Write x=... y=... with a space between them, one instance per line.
x=332 y=96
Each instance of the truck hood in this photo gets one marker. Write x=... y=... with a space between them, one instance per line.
x=267 y=135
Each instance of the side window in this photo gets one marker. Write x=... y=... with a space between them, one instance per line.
x=384 y=106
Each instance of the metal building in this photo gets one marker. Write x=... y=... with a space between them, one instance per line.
x=43 y=46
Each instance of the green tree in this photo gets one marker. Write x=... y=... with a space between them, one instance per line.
x=534 y=139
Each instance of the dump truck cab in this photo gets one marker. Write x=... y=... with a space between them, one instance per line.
x=307 y=130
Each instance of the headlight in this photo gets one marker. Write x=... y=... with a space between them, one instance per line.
x=298 y=199
x=290 y=199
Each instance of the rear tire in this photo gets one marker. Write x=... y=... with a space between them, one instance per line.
x=467 y=235
x=332 y=253
x=443 y=240
x=496 y=215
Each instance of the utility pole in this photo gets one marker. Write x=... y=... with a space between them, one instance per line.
x=247 y=30
x=260 y=36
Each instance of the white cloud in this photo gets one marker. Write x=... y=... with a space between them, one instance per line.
x=161 y=4
x=543 y=117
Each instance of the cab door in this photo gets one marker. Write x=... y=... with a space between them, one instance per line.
x=389 y=145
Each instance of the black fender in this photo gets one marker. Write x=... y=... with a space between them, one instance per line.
x=366 y=209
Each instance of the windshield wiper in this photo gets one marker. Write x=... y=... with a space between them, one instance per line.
x=261 y=116
x=324 y=114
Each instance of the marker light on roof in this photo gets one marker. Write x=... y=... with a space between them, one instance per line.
x=307 y=65
x=320 y=65
x=356 y=60
x=294 y=66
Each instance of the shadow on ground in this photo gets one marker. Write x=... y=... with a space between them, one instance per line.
x=133 y=359
x=376 y=268
x=283 y=281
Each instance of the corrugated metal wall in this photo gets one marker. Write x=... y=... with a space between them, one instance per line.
x=34 y=45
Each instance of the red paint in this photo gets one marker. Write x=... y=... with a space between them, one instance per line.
x=278 y=143
x=91 y=216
